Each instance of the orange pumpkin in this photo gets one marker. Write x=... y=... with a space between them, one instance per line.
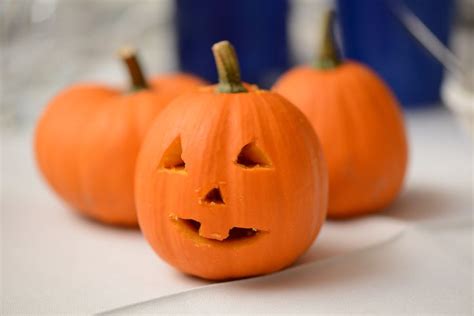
x=230 y=181
x=88 y=138
x=360 y=126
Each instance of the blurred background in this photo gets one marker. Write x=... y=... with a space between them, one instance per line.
x=49 y=44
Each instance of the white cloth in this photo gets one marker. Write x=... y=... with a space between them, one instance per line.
x=408 y=274
x=415 y=257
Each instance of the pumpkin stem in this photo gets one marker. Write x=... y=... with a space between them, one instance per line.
x=227 y=68
x=130 y=58
x=328 y=56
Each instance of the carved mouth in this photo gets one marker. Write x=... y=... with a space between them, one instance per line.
x=235 y=233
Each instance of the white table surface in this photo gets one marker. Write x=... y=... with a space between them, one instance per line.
x=415 y=257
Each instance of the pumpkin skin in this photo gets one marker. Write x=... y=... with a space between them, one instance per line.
x=361 y=130
x=284 y=197
x=87 y=141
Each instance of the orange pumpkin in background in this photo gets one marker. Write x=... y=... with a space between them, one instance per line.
x=360 y=125
x=230 y=181
x=88 y=138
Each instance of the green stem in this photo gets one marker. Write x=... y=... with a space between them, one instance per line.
x=328 y=56
x=227 y=68
x=130 y=58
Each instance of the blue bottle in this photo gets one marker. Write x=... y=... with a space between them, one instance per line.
x=257 y=29
x=373 y=35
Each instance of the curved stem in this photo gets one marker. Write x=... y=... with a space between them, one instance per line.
x=130 y=58
x=328 y=56
x=227 y=68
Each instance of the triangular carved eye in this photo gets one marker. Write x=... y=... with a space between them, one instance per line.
x=172 y=159
x=251 y=156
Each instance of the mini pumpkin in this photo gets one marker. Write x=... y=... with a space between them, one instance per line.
x=230 y=181
x=88 y=138
x=360 y=126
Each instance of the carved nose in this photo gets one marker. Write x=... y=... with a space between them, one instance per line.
x=214 y=196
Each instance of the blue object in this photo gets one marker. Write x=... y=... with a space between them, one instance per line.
x=257 y=29
x=373 y=35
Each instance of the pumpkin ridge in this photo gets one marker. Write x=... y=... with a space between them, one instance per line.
x=350 y=105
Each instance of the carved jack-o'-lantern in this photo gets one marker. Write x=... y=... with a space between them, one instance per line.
x=230 y=181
